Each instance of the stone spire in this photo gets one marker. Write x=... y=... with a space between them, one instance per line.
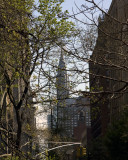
x=61 y=82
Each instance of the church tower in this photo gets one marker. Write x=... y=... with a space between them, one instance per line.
x=61 y=82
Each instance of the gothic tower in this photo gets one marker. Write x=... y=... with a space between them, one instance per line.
x=61 y=82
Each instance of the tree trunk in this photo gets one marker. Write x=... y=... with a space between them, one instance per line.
x=19 y=129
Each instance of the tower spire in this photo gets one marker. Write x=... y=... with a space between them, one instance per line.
x=62 y=84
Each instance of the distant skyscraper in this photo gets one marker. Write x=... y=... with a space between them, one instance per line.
x=61 y=82
x=68 y=109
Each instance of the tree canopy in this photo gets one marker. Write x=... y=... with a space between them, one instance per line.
x=28 y=32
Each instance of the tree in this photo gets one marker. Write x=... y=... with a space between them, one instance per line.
x=107 y=55
x=107 y=59
x=30 y=36
x=29 y=32
x=117 y=138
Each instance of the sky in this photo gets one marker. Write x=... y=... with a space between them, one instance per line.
x=71 y=5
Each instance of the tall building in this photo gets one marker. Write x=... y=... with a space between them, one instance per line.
x=62 y=80
x=70 y=112
x=71 y=117
x=108 y=73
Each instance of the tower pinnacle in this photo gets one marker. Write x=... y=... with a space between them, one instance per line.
x=62 y=84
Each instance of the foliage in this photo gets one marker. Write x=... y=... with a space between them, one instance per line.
x=12 y=158
x=117 y=138
x=28 y=33
x=113 y=146
x=97 y=150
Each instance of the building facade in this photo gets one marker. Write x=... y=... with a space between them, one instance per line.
x=108 y=68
